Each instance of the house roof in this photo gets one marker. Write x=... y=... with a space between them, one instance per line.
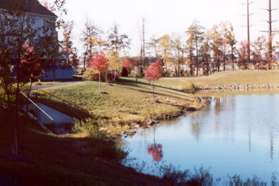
x=31 y=6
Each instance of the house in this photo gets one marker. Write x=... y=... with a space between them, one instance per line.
x=35 y=17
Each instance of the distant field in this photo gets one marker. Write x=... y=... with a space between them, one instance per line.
x=219 y=79
x=239 y=77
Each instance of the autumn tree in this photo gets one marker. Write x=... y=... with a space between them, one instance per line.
x=116 y=43
x=67 y=44
x=29 y=68
x=153 y=73
x=165 y=46
x=99 y=62
x=92 y=41
x=68 y=50
x=195 y=35
x=178 y=52
x=230 y=40
x=216 y=44
x=205 y=55
x=259 y=50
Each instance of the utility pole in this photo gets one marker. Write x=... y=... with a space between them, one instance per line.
x=142 y=50
x=248 y=31
x=143 y=41
x=270 y=32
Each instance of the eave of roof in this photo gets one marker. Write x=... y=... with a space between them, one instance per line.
x=30 y=6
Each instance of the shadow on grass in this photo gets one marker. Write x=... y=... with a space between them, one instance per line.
x=133 y=85
x=52 y=160
x=130 y=81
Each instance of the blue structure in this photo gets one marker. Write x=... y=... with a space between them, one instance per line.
x=58 y=74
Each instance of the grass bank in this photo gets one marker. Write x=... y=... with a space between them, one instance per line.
x=121 y=107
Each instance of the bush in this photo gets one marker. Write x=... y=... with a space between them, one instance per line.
x=93 y=75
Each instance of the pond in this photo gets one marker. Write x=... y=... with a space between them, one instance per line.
x=234 y=135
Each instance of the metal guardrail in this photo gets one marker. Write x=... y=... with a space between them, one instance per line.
x=35 y=106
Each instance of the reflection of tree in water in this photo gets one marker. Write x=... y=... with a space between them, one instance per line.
x=196 y=129
x=271 y=144
x=155 y=150
x=218 y=105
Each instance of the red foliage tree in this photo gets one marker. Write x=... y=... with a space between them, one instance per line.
x=29 y=67
x=30 y=64
x=99 y=62
x=153 y=73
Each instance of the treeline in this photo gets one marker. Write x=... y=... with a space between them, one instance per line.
x=200 y=51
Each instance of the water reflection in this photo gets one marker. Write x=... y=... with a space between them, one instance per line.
x=154 y=149
x=234 y=135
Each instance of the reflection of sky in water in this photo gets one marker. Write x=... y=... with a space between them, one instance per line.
x=234 y=135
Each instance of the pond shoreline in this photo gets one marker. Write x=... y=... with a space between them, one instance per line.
x=135 y=125
x=241 y=87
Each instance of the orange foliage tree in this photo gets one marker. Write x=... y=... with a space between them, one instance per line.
x=99 y=62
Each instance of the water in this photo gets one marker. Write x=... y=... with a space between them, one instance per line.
x=236 y=135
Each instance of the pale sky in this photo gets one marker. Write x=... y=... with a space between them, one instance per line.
x=168 y=16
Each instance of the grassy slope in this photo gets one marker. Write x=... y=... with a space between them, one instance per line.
x=123 y=103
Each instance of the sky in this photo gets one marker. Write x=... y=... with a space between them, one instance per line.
x=167 y=16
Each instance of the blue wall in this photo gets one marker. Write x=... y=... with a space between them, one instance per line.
x=58 y=74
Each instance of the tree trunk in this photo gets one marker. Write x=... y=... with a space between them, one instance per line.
x=232 y=59
x=153 y=91
x=197 y=58
x=99 y=82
